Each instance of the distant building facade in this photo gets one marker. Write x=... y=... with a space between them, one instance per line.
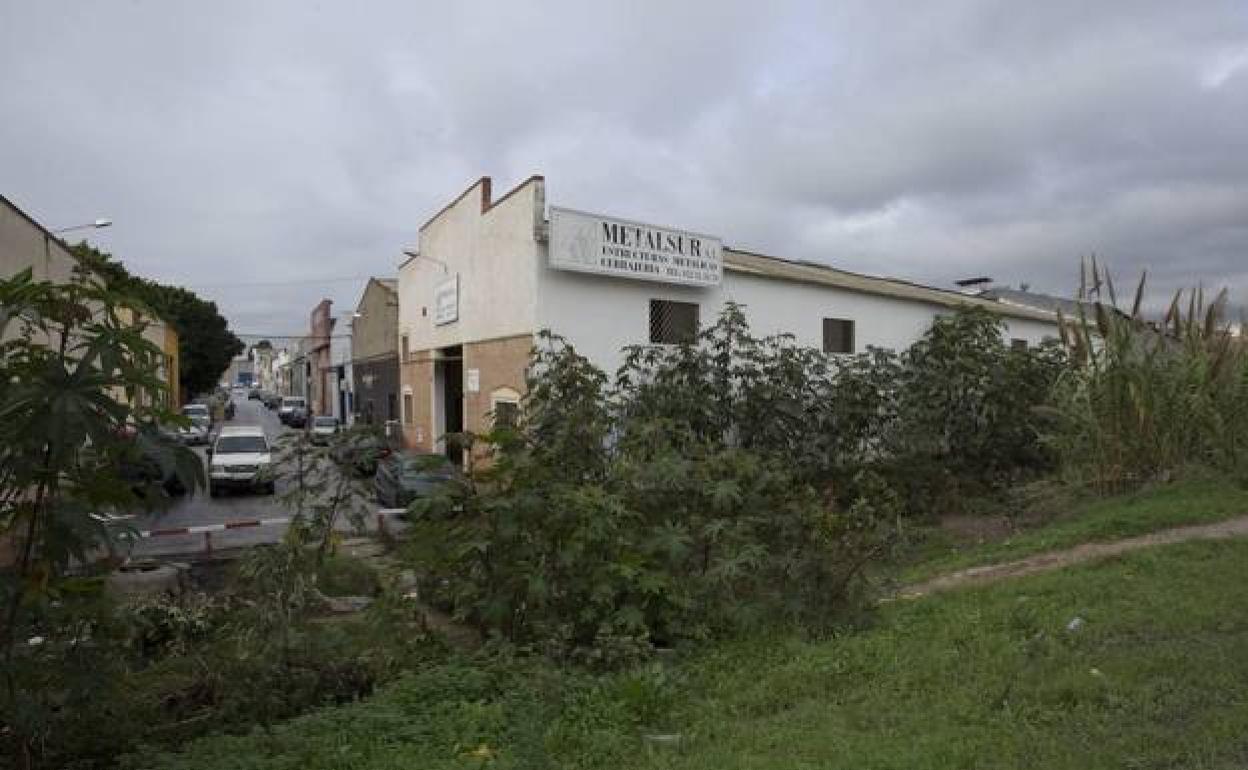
x=375 y=356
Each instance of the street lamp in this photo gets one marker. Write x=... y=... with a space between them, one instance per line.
x=89 y=225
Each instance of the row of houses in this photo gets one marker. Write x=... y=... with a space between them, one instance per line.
x=346 y=366
x=442 y=347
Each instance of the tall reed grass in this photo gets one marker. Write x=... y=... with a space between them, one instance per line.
x=1143 y=398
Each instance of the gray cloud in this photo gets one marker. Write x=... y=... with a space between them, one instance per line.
x=244 y=142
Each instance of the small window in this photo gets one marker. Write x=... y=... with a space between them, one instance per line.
x=407 y=408
x=403 y=350
x=1018 y=344
x=673 y=323
x=838 y=335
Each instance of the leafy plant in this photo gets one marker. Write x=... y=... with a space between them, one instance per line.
x=81 y=400
x=318 y=492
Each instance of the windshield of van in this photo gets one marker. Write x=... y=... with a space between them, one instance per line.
x=325 y=422
x=292 y=402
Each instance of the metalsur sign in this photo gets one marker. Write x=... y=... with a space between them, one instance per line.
x=592 y=243
x=446 y=301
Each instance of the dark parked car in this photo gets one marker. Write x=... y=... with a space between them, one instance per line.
x=271 y=400
x=297 y=417
x=405 y=476
x=253 y=394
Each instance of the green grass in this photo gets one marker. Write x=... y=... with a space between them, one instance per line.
x=1199 y=500
x=1156 y=678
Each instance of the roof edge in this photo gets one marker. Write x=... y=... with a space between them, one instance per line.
x=807 y=272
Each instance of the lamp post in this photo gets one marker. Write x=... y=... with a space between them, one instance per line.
x=96 y=224
x=416 y=254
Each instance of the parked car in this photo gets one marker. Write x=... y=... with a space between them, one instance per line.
x=297 y=418
x=323 y=429
x=198 y=433
x=198 y=409
x=240 y=457
x=288 y=407
x=271 y=400
x=253 y=394
x=405 y=476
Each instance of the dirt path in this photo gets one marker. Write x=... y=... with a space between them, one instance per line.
x=1051 y=560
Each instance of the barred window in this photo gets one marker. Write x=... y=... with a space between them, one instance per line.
x=407 y=409
x=673 y=323
x=505 y=404
x=403 y=354
x=1018 y=344
x=838 y=335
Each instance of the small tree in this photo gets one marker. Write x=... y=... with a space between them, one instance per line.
x=318 y=491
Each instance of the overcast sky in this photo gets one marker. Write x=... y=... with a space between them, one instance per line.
x=240 y=146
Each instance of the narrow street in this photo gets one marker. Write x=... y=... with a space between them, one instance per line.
x=235 y=506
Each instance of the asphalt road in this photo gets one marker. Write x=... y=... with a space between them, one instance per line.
x=231 y=506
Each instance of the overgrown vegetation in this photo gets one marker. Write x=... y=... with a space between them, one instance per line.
x=112 y=678
x=727 y=492
x=721 y=484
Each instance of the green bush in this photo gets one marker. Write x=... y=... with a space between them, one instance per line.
x=966 y=412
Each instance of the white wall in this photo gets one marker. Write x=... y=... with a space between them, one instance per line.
x=774 y=306
x=600 y=315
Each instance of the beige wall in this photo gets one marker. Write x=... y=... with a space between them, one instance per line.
x=25 y=244
x=501 y=364
x=375 y=332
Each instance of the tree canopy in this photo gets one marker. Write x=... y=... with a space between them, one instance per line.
x=206 y=343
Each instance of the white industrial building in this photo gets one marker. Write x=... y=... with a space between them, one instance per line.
x=489 y=274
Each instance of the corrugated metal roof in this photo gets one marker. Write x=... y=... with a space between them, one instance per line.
x=810 y=272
